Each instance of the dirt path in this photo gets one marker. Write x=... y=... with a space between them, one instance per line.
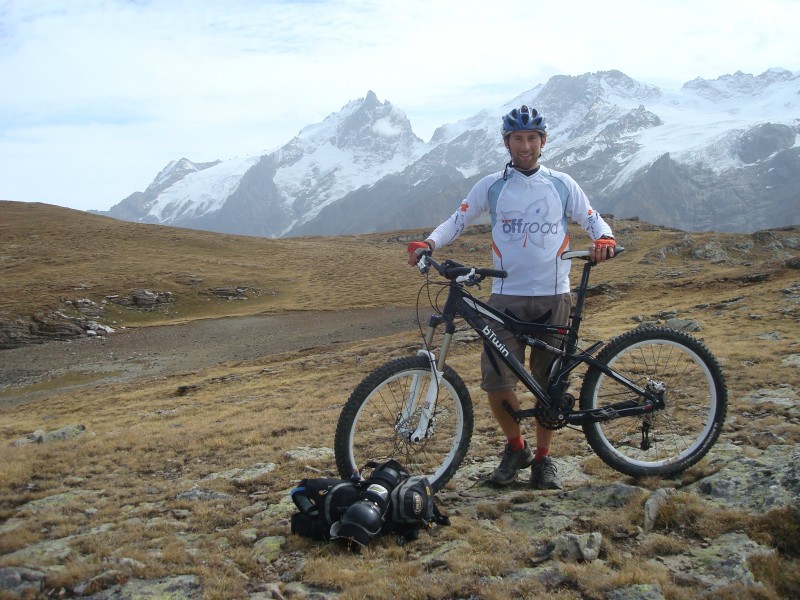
x=33 y=372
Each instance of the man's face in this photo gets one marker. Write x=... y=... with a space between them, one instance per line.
x=525 y=148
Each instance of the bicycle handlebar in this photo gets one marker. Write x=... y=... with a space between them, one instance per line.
x=449 y=269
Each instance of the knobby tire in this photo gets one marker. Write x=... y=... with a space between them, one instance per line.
x=371 y=427
x=679 y=435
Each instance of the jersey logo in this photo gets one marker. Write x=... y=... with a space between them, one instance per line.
x=529 y=226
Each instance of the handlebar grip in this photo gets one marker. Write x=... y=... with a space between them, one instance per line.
x=584 y=254
x=450 y=269
x=451 y=272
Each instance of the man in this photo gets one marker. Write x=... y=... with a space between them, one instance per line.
x=529 y=206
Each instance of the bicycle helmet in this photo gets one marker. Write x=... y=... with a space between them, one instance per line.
x=523 y=119
x=360 y=523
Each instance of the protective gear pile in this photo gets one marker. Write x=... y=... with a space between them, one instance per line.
x=356 y=510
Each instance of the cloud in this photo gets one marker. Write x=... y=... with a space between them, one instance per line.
x=385 y=128
x=123 y=87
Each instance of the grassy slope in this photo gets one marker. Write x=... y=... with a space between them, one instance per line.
x=147 y=444
x=49 y=254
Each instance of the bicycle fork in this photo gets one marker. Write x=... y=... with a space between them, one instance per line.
x=425 y=427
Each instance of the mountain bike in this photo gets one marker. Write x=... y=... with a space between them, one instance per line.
x=652 y=401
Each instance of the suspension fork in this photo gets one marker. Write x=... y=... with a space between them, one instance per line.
x=423 y=429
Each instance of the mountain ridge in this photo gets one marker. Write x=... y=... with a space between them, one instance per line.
x=731 y=144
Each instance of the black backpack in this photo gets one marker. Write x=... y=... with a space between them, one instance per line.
x=322 y=503
x=413 y=507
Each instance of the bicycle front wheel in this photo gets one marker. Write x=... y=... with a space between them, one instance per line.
x=381 y=421
x=669 y=440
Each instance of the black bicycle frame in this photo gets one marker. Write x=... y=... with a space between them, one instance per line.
x=474 y=311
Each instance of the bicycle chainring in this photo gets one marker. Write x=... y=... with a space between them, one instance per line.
x=555 y=417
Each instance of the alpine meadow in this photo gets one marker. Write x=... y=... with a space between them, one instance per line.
x=143 y=457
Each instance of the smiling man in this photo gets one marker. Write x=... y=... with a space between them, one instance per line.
x=529 y=207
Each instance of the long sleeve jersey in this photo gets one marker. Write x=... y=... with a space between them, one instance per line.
x=529 y=216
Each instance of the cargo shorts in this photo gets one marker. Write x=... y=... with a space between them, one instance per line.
x=524 y=308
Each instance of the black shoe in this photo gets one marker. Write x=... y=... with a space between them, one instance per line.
x=544 y=475
x=510 y=465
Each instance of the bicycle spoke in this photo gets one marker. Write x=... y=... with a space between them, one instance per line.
x=372 y=427
x=670 y=439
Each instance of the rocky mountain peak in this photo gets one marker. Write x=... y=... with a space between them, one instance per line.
x=175 y=171
x=579 y=105
x=372 y=130
x=362 y=168
x=374 y=127
x=731 y=86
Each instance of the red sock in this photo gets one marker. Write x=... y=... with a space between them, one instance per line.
x=516 y=444
x=541 y=453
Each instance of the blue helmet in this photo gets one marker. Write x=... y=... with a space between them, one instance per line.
x=523 y=119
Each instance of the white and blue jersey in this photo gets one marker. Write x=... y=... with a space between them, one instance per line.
x=529 y=216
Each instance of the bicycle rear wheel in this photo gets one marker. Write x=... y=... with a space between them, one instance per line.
x=382 y=414
x=666 y=441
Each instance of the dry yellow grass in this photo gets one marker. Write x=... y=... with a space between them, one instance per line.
x=145 y=444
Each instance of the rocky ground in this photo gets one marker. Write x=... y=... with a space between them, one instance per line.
x=157 y=461
x=558 y=540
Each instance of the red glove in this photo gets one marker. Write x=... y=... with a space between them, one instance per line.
x=416 y=249
x=604 y=242
x=602 y=250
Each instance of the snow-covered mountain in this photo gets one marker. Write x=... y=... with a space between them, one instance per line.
x=715 y=155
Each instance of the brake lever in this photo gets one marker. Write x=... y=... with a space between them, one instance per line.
x=423 y=263
x=476 y=280
x=467 y=279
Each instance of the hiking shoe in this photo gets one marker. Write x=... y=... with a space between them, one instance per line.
x=544 y=475
x=511 y=463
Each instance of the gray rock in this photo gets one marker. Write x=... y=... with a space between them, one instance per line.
x=197 y=493
x=268 y=548
x=21 y=581
x=637 y=592
x=683 y=324
x=143 y=299
x=653 y=506
x=793 y=360
x=784 y=396
x=769 y=481
x=437 y=558
x=98 y=582
x=244 y=474
x=570 y=547
x=720 y=563
x=48 y=552
x=180 y=586
x=613 y=494
x=306 y=453
x=65 y=433
x=56 y=502
x=712 y=252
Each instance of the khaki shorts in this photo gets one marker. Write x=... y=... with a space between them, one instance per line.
x=524 y=308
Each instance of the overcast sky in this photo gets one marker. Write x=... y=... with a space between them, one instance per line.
x=97 y=96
